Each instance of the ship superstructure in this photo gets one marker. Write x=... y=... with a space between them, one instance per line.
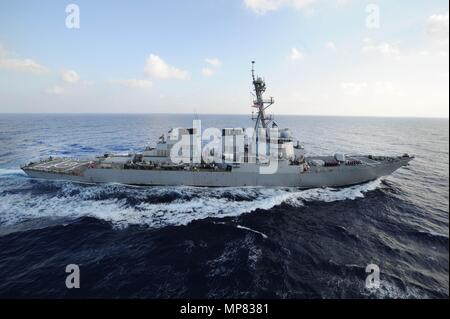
x=262 y=155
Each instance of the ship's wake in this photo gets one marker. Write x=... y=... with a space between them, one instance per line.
x=23 y=199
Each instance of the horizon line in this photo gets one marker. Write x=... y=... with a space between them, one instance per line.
x=232 y=114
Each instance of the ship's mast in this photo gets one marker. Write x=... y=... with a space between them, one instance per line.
x=259 y=103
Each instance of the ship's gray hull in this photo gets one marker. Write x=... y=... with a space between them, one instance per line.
x=286 y=176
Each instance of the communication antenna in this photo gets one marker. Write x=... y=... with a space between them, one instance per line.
x=195 y=114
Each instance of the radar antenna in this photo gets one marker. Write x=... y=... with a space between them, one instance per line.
x=262 y=120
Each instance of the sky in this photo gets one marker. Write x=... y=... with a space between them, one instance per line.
x=318 y=57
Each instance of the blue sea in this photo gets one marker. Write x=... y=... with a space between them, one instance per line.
x=188 y=242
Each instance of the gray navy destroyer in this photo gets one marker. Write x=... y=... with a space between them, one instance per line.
x=238 y=159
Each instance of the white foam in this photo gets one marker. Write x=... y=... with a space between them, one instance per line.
x=347 y=193
x=252 y=230
x=11 y=172
x=184 y=204
x=389 y=290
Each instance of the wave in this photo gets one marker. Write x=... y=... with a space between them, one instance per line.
x=122 y=205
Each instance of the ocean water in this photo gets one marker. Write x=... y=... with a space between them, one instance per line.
x=187 y=242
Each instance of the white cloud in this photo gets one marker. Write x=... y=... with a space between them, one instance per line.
x=365 y=89
x=133 y=83
x=300 y=4
x=215 y=62
x=296 y=55
x=353 y=88
x=264 y=6
x=342 y=2
x=157 y=68
x=56 y=90
x=437 y=27
x=384 y=48
x=330 y=46
x=24 y=65
x=208 y=72
x=70 y=76
x=385 y=87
